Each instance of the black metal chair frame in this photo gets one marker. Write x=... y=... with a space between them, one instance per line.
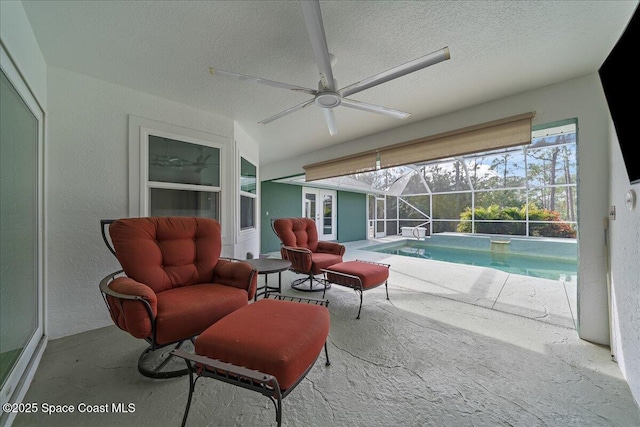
x=315 y=284
x=257 y=381
x=157 y=372
x=354 y=282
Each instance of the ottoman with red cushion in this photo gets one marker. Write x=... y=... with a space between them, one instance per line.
x=268 y=346
x=359 y=276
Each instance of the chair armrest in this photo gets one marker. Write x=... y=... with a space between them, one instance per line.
x=238 y=274
x=331 y=248
x=300 y=258
x=132 y=305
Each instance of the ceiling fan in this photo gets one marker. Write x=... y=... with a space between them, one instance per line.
x=327 y=96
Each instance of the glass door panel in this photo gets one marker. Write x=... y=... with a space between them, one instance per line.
x=21 y=320
x=371 y=216
x=381 y=226
x=309 y=205
x=327 y=214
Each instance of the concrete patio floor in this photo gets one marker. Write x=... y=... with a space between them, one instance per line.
x=454 y=345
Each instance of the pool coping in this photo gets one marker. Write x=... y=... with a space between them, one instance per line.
x=517 y=245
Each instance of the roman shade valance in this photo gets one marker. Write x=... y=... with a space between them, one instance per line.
x=503 y=133
x=364 y=162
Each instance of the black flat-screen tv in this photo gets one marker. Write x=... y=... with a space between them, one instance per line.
x=620 y=78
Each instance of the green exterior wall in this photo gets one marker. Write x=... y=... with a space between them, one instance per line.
x=285 y=200
x=352 y=216
x=278 y=201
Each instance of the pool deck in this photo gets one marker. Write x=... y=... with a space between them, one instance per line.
x=549 y=301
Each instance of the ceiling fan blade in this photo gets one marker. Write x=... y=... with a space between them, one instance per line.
x=287 y=111
x=374 y=108
x=399 y=71
x=245 y=78
x=331 y=120
x=315 y=27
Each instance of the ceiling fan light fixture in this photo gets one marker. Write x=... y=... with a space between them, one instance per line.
x=328 y=100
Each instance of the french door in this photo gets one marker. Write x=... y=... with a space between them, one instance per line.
x=320 y=205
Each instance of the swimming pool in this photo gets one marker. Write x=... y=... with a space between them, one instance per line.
x=545 y=258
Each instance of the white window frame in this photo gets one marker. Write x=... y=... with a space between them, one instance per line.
x=139 y=184
x=247 y=233
x=147 y=185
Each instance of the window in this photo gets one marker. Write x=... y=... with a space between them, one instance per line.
x=177 y=171
x=183 y=177
x=248 y=194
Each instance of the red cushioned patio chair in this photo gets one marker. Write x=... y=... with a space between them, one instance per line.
x=173 y=284
x=308 y=255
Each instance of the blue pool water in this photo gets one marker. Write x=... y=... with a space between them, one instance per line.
x=541 y=259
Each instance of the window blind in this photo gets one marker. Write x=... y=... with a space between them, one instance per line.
x=363 y=162
x=502 y=133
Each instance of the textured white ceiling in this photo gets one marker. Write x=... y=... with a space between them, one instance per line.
x=164 y=48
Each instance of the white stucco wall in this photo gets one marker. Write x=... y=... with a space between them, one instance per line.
x=18 y=38
x=579 y=98
x=624 y=234
x=88 y=181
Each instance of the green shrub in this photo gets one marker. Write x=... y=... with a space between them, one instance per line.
x=510 y=227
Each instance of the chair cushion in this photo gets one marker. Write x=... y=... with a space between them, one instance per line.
x=323 y=260
x=167 y=252
x=297 y=232
x=187 y=311
x=279 y=338
x=371 y=275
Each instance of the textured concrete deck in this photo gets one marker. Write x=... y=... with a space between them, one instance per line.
x=454 y=346
x=550 y=301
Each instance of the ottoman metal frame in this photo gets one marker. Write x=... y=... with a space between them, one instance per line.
x=354 y=282
x=201 y=366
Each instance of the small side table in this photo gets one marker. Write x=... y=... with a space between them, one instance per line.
x=266 y=266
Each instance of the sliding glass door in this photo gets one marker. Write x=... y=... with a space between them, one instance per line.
x=21 y=222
